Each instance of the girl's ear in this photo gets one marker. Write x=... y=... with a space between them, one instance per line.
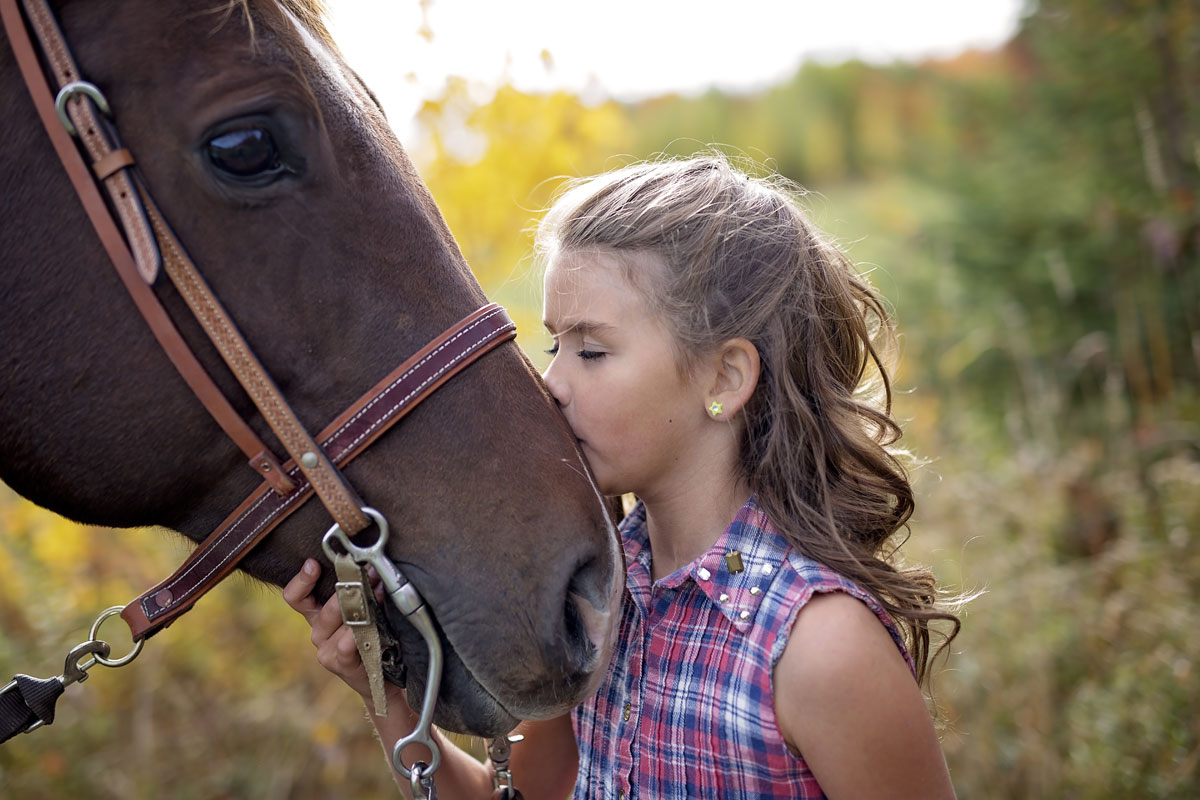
x=736 y=368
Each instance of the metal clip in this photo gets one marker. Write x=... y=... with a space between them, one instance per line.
x=421 y=781
x=73 y=671
x=499 y=750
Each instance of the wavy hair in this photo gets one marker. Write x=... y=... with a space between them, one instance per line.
x=817 y=443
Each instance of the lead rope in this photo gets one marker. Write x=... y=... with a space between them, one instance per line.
x=27 y=703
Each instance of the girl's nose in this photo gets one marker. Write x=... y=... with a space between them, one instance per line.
x=556 y=384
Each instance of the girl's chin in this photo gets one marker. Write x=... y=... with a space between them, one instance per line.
x=605 y=487
x=610 y=489
x=607 y=483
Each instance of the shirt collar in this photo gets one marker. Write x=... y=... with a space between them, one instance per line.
x=750 y=539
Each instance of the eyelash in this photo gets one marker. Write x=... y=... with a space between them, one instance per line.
x=586 y=355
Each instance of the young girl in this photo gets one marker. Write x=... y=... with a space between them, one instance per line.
x=715 y=355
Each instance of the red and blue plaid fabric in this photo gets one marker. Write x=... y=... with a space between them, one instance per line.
x=686 y=710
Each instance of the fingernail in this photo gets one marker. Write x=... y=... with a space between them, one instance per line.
x=311 y=567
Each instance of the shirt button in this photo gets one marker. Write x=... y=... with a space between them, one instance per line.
x=755 y=590
x=724 y=598
x=744 y=615
x=620 y=794
x=766 y=569
x=625 y=712
x=703 y=573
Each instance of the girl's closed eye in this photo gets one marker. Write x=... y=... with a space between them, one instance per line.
x=585 y=354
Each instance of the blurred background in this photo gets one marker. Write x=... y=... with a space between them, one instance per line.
x=1018 y=178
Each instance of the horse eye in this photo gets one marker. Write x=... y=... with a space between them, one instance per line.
x=245 y=153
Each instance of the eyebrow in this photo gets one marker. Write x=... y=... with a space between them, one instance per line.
x=583 y=327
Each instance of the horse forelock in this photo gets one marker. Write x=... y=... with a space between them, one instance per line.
x=306 y=17
x=311 y=14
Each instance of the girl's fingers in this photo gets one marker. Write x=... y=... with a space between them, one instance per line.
x=298 y=592
x=336 y=648
x=376 y=583
x=347 y=648
x=323 y=619
x=339 y=655
x=326 y=621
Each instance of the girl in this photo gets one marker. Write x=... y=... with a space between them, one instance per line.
x=716 y=356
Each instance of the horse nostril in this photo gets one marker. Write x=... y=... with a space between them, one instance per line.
x=591 y=583
x=580 y=649
x=586 y=614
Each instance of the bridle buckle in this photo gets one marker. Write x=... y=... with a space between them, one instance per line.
x=69 y=91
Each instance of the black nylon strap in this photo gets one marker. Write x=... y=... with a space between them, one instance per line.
x=29 y=701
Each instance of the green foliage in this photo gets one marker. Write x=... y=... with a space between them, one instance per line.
x=493 y=166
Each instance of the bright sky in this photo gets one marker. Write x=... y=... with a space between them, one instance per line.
x=635 y=48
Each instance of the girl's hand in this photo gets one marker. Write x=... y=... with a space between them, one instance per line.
x=336 y=650
x=545 y=764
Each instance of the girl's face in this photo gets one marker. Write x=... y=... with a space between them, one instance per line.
x=615 y=375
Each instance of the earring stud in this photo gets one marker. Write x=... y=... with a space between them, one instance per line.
x=716 y=408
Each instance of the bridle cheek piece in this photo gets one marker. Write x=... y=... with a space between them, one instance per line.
x=141 y=246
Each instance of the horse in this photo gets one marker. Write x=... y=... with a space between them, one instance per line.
x=275 y=166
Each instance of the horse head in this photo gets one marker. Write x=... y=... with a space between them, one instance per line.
x=276 y=168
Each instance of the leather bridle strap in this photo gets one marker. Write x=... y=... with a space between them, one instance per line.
x=172 y=343
x=96 y=135
x=101 y=142
x=347 y=436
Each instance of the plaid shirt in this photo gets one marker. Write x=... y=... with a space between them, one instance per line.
x=686 y=710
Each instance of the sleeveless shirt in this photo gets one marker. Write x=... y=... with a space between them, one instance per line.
x=686 y=710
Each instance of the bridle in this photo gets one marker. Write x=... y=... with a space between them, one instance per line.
x=141 y=246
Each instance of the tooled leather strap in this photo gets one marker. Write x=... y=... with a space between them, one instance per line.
x=100 y=141
x=343 y=504
x=347 y=436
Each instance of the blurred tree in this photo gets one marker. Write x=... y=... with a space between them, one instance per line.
x=1079 y=234
x=493 y=163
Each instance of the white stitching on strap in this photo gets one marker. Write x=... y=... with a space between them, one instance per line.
x=296 y=474
x=403 y=377
x=296 y=494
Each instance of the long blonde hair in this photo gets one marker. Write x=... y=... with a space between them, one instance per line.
x=818 y=443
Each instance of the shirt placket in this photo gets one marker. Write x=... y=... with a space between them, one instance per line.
x=628 y=723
